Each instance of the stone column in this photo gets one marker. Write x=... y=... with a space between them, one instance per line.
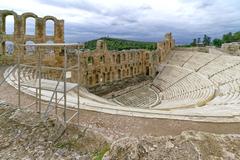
x=59 y=31
x=39 y=34
x=1 y=24
x=2 y=48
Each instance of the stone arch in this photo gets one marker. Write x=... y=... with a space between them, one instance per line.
x=25 y=17
x=131 y=55
x=90 y=60
x=102 y=59
x=131 y=71
x=3 y=15
x=123 y=57
x=147 y=56
x=9 y=25
x=119 y=74
x=103 y=77
x=49 y=28
x=147 y=71
x=118 y=59
x=9 y=47
x=108 y=76
x=96 y=78
x=29 y=50
x=50 y=18
x=139 y=68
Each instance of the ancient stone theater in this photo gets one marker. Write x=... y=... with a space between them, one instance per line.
x=169 y=82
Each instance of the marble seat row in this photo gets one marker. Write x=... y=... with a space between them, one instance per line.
x=143 y=97
x=29 y=74
x=169 y=76
x=180 y=58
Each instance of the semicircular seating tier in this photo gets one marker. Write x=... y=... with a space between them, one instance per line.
x=181 y=88
x=222 y=70
x=189 y=86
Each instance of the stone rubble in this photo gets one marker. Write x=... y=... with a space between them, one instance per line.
x=190 y=145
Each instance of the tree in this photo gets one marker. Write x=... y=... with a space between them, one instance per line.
x=236 y=36
x=194 y=43
x=206 y=40
x=217 y=42
x=199 y=40
x=227 y=38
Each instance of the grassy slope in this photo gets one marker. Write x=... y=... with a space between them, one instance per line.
x=121 y=44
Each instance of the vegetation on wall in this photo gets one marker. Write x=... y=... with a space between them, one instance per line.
x=121 y=44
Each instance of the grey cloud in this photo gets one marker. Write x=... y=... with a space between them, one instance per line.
x=145 y=7
x=128 y=22
x=83 y=5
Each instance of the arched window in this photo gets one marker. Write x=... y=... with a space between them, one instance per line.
x=9 y=47
x=124 y=57
x=119 y=74
x=131 y=55
x=50 y=28
x=102 y=59
x=90 y=60
x=147 y=56
x=30 y=26
x=9 y=24
x=108 y=76
x=131 y=70
x=103 y=78
x=29 y=49
x=118 y=59
x=97 y=78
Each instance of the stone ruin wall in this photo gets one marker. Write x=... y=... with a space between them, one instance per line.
x=97 y=67
x=20 y=37
x=102 y=66
x=231 y=48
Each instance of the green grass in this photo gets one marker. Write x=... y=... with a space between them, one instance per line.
x=99 y=155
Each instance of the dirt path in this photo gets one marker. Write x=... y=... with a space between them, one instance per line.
x=115 y=126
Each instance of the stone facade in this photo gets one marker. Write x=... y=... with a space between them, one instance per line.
x=103 y=66
x=98 y=67
x=232 y=48
x=20 y=37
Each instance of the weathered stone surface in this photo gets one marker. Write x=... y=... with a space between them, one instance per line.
x=190 y=145
x=25 y=135
x=20 y=37
x=231 y=48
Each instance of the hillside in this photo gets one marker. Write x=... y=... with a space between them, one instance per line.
x=121 y=44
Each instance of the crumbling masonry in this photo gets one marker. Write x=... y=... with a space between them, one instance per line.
x=98 y=67
x=103 y=66
x=20 y=37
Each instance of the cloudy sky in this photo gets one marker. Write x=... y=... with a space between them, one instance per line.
x=145 y=20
